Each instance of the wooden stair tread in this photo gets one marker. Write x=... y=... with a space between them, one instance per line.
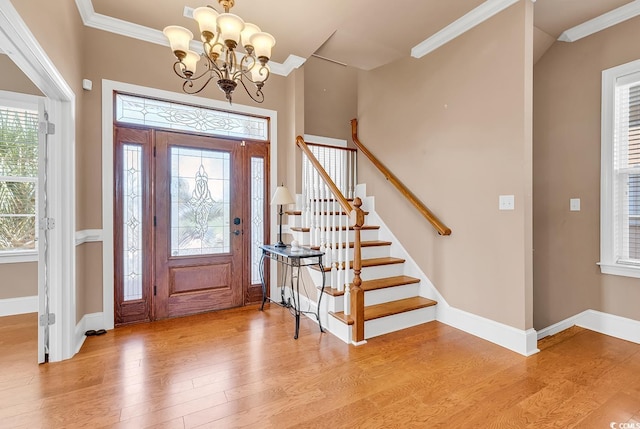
x=397 y=307
x=372 y=243
x=388 y=309
x=328 y=290
x=388 y=282
x=376 y=284
x=373 y=262
x=301 y=229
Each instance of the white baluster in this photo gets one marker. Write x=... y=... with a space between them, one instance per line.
x=321 y=216
x=304 y=220
x=354 y=179
x=316 y=216
x=334 y=249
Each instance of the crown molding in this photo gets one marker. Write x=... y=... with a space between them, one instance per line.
x=128 y=29
x=460 y=26
x=602 y=22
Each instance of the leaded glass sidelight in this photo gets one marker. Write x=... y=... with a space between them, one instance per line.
x=132 y=221
x=200 y=201
x=257 y=216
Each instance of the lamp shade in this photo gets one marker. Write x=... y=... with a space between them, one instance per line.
x=262 y=43
x=282 y=196
x=179 y=37
x=249 y=30
x=230 y=27
x=190 y=61
x=259 y=73
x=206 y=17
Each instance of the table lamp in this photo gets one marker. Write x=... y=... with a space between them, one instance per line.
x=281 y=197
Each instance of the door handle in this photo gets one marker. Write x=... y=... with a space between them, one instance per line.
x=237 y=232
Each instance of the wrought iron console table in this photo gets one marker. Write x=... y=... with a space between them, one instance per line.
x=290 y=260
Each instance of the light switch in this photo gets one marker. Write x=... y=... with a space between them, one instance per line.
x=507 y=202
x=574 y=204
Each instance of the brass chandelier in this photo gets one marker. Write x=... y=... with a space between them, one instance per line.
x=221 y=33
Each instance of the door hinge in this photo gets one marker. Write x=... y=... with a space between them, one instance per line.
x=155 y=222
x=47 y=223
x=47 y=319
x=46 y=127
x=155 y=290
x=154 y=151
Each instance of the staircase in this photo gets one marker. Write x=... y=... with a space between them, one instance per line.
x=391 y=298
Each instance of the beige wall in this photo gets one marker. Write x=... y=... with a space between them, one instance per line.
x=453 y=126
x=18 y=280
x=290 y=160
x=330 y=95
x=88 y=275
x=13 y=79
x=567 y=94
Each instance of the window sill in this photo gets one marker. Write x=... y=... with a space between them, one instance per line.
x=619 y=270
x=19 y=257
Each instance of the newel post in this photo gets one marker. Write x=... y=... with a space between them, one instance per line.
x=356 y=292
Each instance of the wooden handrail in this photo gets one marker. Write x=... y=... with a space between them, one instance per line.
x=428 y=214
x=332 y=186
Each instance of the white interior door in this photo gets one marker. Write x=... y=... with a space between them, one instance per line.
x=43 y=289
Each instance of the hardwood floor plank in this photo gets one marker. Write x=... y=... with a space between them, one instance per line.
x=242 y=368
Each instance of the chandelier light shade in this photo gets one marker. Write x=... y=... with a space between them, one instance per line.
x=222 y=34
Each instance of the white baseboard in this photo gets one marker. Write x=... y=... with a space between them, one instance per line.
x=15 y=306
x=604 y=323
x=517 y=340
x=93 y=321
x=559 y=327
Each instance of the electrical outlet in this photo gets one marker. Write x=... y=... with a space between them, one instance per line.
x=506 y=202
x=574 y=204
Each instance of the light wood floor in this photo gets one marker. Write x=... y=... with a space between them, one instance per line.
x=243 y=368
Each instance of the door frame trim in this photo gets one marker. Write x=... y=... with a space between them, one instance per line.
x=26 y=52
x=108 y=87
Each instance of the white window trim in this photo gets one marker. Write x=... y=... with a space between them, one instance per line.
x=28 y=102
x=608 y=263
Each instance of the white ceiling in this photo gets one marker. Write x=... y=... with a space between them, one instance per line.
x=361 y=33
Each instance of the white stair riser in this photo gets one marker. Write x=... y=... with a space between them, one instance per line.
x=339 y=329
x=397 y=322
x=367 y=273
x=368 y=252
x=379 y=296
x=381 y=271
x=304 y=238
x=374 y=297
x=296 y=220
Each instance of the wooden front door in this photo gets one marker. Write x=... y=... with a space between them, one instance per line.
x=198 y=223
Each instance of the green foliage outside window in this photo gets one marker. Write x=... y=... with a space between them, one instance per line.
x=18 y=179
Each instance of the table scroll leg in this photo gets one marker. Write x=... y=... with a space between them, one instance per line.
x=296 y=301
x=264 y=285
x=321 y=292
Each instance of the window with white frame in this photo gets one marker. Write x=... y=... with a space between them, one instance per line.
x=620 y=182
x=18 y=178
